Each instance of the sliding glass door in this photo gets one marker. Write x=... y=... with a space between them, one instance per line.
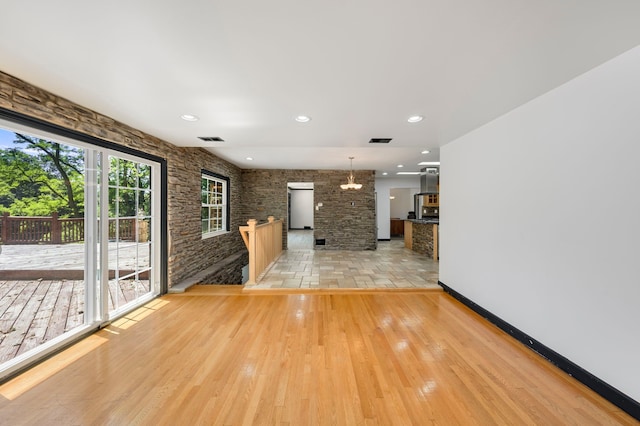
x=79 y=239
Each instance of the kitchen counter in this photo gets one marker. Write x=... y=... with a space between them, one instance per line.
x=421 y=236
x=430 y=220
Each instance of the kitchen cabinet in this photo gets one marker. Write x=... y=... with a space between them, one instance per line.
x=397 y=227
x=430 y=200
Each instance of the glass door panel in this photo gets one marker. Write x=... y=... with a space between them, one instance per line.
x=129 y=245
x=42 y=245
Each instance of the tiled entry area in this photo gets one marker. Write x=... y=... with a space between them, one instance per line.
x=391 y=266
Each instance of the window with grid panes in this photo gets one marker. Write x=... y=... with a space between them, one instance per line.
x=214 y=194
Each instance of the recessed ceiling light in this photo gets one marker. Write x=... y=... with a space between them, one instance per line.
x=426 y=151
x=303 y=119
x=189 y=117
x=249 y=158
x=400 y=165
x=408 y=173
x=415 y=119
x=429 y=163
x=384 y=173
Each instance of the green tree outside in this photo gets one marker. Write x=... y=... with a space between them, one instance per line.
x=39 y=177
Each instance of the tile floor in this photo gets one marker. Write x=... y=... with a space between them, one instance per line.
x=390 y=266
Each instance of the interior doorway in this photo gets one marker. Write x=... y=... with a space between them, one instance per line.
x=300 y=214
x=400 y=208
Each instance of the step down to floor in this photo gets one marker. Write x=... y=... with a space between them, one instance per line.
x=202 y=275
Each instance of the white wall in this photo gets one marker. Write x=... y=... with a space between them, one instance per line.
x=302 y=208
x=402 y=204
x=540 y=220
x=383 y=187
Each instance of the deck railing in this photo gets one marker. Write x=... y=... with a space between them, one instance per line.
x=54 y=230
x=264 y=243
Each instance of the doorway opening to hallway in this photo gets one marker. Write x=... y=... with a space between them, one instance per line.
x=300 y=215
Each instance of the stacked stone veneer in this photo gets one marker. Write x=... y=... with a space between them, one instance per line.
x=422 y=238
x=346 y=220
x=188 y=252
x=227 y=272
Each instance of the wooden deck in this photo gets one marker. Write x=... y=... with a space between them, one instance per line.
x=33 y=312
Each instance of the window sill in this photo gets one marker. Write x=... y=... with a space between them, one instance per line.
x=214 y=234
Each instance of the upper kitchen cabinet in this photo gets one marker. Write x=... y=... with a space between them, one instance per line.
x=430 y=200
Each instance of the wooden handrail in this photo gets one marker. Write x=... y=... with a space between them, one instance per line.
x=264 y=243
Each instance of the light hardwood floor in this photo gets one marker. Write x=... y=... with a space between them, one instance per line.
x=218 y=355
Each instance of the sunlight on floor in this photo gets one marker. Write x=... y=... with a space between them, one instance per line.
x=139 y=314
x=41 y=372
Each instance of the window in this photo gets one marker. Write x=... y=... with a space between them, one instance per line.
x=215 y=204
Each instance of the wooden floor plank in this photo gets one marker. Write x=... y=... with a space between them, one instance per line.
x=117 y=295
x=14 y=289
x=318 y=358
x=128 y=290
x=36 y=333
x=143 y=286
x=75 y=314
x=25 y=320
x=5 y=287
x=12 y=323
x=58 y=320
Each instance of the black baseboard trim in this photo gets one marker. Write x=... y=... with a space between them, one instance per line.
x=608 y=392
x=384 y=239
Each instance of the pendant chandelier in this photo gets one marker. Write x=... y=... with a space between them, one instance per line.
x=351 y=180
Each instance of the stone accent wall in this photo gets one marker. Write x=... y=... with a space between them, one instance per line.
x=188 y=252
x=228 y=273
x=422 y=238
x=346 y=220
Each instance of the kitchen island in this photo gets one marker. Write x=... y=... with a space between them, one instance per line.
x=421 y=236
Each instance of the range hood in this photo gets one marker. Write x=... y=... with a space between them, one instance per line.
x=429 y=180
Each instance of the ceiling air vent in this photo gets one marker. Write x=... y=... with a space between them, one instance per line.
x=211 y=138
x=380 y=140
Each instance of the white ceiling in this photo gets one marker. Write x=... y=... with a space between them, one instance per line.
x=359 y=68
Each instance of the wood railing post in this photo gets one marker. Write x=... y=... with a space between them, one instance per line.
x=56 y=229
x=5 y=227
x=264 y=243
x=270 y=249
x=253 y=266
